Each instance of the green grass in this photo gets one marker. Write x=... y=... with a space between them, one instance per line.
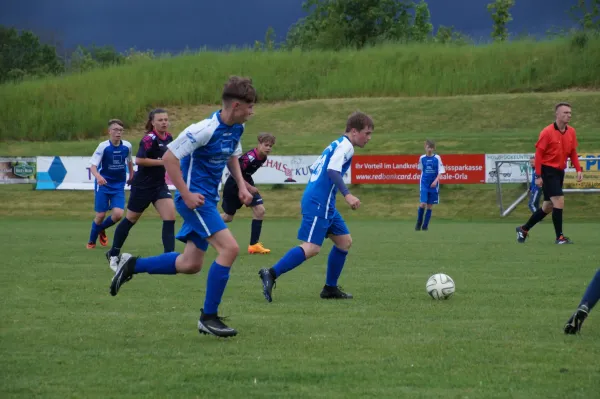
x=78 y=106
x=502 y=123
x=500 y=336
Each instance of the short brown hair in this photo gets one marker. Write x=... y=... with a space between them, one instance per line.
x=266 y=138
x=359 y=120
x=430 y=143
x=238 y=88
x=117 y=121
x=563 y=104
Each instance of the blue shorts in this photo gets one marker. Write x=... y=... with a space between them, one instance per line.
x=199 y=223
x=315 y=229
x=106 y=200
x=430 y=196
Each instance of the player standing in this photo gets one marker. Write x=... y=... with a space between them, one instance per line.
x=250 y=162
x=108 y=167
x=534 y=191
x=149 y=186
x=556 y=143
x=432 y=169
x=589 y=300
x=195 y=163
x=320 y=218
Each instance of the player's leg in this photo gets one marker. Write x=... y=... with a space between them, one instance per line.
x=258 y=214
x=551 y=185
x=101 y=206
x=558 y=204
x=421 y=210
x=342 y=241
x=139 y=200
x=432 y=199
x=117 y=204
x=166 y=209
x=534 y=200
x=588 y=301
x=312 y=234
x=230 y=204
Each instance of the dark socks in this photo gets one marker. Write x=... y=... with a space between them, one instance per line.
x=255 y=233
x=534 y=219
x=557 y=220
x=121 y=233
x=168 y=235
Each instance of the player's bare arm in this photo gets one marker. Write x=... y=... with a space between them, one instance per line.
x=234 y=168
x=101 y=180
x=131 y=172
x=251 y=188
x=192 y=200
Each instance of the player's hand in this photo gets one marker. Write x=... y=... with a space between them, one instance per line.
x=352 y=201
x=129 y=182
x=245 y=196
x=579 y=177
x=101 y=181
x=193 y=200
x=433 y=185
x=538 y=182
x=252 y=190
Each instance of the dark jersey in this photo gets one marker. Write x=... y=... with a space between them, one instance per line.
x=151 y=147
x=249 y=164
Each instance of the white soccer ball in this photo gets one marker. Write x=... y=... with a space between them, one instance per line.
x=440 y=286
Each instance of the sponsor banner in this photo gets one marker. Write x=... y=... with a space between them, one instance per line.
x=15 y=170
x=73 y=173
x=292 y=169
x=591 y=172
x=509 y=172
x=402 y=169
x=67 y=173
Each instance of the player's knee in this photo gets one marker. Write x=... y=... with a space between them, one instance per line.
x=226 y=217
x=429 y=206
x=99 y=217
x=422 y=205
x=310 y=250
x=188 y=265
x=259 y=212
x=345 y=244
x=230 y=250
x=116 y=215
x=547 y=207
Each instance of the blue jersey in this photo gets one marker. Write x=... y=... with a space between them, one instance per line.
x=430 y=168
x=319 y=195
x=532 y=186
x=111 y=161
x=203 y=150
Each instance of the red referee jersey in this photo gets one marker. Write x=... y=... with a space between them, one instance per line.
x=554 y=147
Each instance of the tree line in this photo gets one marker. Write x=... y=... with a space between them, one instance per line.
x=328 y=25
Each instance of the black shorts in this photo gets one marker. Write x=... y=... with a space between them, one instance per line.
x=141 y=198
x=552 y=182
x=231 y=201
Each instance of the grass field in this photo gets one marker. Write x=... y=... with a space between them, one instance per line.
x=500 y=336
x=78 y=105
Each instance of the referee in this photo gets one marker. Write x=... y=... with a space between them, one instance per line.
x=556 y=143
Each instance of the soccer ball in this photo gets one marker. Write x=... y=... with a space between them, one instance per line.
x=440 y=286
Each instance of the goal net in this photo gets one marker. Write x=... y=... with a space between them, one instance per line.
x=519 y=172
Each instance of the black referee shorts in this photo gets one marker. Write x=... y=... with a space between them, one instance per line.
x=140 y=198
x=552 y=182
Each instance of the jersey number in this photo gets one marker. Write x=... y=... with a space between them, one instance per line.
x=318 y=165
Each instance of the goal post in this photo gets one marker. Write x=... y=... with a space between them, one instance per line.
x=505 y=174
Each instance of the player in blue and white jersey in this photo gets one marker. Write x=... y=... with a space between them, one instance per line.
x=432 y=169
x=109 y=165
x=535 y=192
x=195 y=163
x=590 y=298
x=320 y=218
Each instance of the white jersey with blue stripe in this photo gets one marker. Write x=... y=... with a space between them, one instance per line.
x=319 y=195
x=111 y=161
x=203 y=150
x=430 y=167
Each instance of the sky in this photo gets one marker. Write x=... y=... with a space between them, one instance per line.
x=173 y=25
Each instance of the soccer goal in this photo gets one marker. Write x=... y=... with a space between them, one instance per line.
x=519 y=171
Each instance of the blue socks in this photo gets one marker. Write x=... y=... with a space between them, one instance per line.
x=293 y=258
x=335 y=264
x=106 y=224
x=427 y=217
x=94 y=232
x=168 y=235
x=420 y=216
x=215 y=286
x=592 y=293
x=161 y=264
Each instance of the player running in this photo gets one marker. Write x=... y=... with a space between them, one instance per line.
x=195 y=163
x=432 y=169
x=250 y=162
x=107 y=165
x=320 y=218
x=149 y=186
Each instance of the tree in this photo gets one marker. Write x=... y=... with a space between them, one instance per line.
x=587 y=16
x=22 y=55
x=447 y=34
x=335 y=24
x=500 y=12
x=422 y=27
